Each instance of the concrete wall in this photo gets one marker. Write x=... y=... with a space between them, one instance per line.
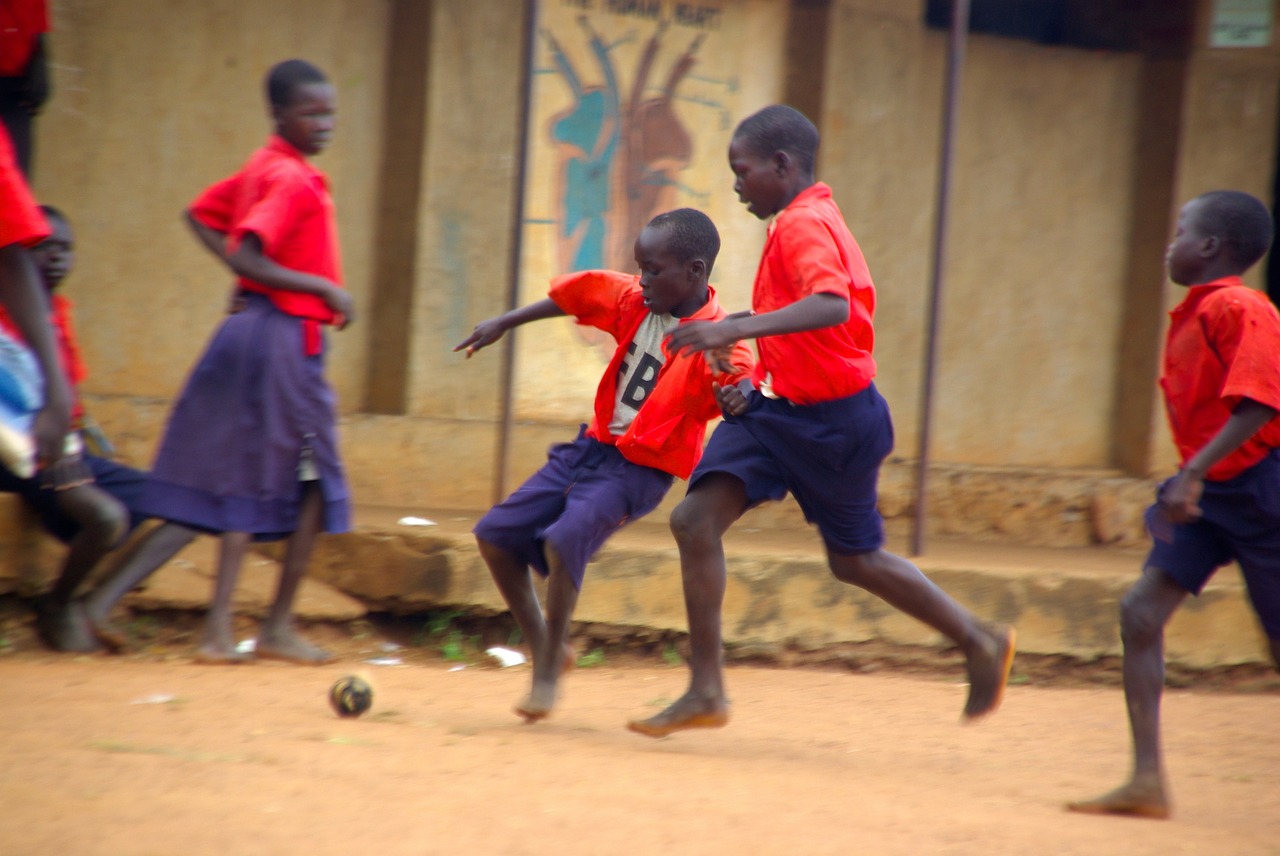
x=1069 y=166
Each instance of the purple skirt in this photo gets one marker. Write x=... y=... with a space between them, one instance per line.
x=254 y=407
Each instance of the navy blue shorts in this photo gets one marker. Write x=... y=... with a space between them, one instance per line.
x=584 y=493
x=826 y=455
x=1241 y=522
x=122 y=482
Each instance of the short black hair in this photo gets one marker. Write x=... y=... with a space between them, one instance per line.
x=779 y=128
x=690 y=235
x=285 y=77
x=51 y=213
x=1241 y=221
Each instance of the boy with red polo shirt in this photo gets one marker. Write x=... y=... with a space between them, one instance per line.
x=650 y=419
x=250 y=451
x=1221 y=383
x=809 y=422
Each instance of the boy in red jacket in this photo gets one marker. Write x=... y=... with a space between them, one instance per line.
x=651 y=413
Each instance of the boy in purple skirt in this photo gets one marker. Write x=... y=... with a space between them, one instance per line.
x=651 y=414
x=250 y=451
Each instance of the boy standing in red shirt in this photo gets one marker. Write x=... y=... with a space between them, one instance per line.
x=250 y=451
x=809 y=422
x=651 y=412
x=1221 y=384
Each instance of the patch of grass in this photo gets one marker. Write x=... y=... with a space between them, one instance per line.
x=594 y=657
x=671 y=656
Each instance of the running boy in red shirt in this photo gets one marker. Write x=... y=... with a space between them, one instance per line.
x=250 y=450
x=651 y=414
x=1221 y=384
x=809 y=422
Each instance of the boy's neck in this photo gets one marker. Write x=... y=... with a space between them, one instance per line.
x=798 y=186
x=1215 y=273
x=695 y=302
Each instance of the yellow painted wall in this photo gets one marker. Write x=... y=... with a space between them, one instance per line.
x=154 y=99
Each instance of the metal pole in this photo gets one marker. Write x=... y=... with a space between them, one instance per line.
x=507 y=381
x=950 y=113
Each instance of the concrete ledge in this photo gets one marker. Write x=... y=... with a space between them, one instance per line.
x=780 y=592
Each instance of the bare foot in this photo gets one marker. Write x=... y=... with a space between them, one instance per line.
x=65 y=628
x=688 y=711
x=113 y=638
x=538 y=703
x=541 y=699
x=989 y=673
x=292 y=649
x=1142 y=797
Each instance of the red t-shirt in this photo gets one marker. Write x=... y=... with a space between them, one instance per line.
x=21 y=221
x=285 y=201
x=21 y=22
x=670 y=426
x=1223 y=345
x=809 y=251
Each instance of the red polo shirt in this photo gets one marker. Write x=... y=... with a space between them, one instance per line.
x=809 y=251
x=671 y=425
x=1223 y=345
x=21 y=221
x=285 y=201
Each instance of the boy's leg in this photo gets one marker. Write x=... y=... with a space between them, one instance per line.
x=1144 y=612
x=217 y=642
x=158 y=547
x=552 y=654
x=698 y=524
x=278 y=639
x=515 y=583
x=896 y=581
x=101 y=522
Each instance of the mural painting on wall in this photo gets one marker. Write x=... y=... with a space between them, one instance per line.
x=630 y=111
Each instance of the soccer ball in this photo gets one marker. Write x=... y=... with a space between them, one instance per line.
x=350 y=696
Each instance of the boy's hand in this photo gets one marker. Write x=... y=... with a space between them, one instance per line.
x=485 y=334
x=340 y=301
x=731 y=399
x=50 y=431
x=702 y=336
x=1180 y=500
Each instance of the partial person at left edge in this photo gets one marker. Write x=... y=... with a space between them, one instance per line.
x=24 y=73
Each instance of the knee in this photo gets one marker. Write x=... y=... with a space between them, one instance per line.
x=854 y=569
x=690 y=526
x=1138 y=623
x=105 y=525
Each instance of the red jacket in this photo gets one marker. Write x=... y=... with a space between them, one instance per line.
x=671 y=425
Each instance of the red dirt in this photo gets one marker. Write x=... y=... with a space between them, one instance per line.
x=151 y=754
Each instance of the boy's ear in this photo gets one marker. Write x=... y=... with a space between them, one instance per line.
x=1210 y=246
x=782 y=161
x=697 y=268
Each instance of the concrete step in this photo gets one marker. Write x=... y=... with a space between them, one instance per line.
x=780 y=595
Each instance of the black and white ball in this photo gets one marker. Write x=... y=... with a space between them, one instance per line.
x=350 y=696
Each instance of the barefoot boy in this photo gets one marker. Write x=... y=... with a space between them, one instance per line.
x=1221 y=383
x=811 y=423
x=651 y=413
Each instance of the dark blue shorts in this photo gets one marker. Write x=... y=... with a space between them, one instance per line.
x=122 y=482
x=584 y=493
x=826 y=455
x=1241 y=522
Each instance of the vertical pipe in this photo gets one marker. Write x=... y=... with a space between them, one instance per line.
x=950 y=112
x=507 y=381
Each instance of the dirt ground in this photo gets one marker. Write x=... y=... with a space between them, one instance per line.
x=150 y=753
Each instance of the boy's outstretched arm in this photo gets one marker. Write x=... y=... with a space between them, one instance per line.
x=1180 y=501
x=812 y=313
x=489 y=331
